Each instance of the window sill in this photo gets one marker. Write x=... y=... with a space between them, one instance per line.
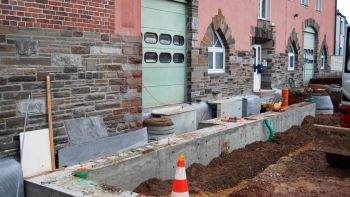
x=289 y=70
x=213 y=72
x=264 y=19
x=318 y=11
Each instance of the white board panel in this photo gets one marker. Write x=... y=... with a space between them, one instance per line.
x=36 y=157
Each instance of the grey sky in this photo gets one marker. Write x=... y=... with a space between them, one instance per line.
x=344 y=8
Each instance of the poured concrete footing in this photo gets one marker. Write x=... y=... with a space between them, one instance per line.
x=128 y=170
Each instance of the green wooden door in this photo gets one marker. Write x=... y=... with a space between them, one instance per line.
x=164 y=52
x=309 y=54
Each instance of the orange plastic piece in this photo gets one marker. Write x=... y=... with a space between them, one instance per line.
x=285 y=97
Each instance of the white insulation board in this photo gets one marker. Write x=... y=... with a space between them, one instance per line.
x=36 y=157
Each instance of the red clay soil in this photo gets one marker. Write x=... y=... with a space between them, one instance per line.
x=307 y=174
x=229 y=169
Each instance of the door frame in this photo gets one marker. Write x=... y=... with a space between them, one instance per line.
x=257 y=60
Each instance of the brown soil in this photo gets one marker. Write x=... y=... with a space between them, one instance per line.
x=229 y=169
x=327 y=81
x=336 y=99
x=307 y=174
x=298 y=95
x=158 y=122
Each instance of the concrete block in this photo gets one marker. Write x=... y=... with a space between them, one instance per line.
x=208 y=148
x=125 y=175
x=168 y=158
x=184 y=117
x=58 y=59
x=73 y=155
x=84 y=130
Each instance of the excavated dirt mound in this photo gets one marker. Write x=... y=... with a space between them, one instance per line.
x=326 y=81
x=307 y=174
x=336 y=99
x=298 y=95
x=229 y=169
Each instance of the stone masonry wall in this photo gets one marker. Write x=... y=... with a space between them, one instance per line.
x=80 y=15
x=237 y=79
x=238 y=76
x=92 y=74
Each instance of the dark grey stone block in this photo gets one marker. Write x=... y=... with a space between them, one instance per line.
x=27 y=47
x=84 y=130
x=73 y=155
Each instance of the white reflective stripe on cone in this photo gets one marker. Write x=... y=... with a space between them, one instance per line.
x=183 y=194
x=180 y=173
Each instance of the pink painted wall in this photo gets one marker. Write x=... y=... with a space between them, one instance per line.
x=128 y=17
x=242 y=14
x=239 y=14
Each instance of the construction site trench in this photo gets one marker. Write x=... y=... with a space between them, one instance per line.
x=233 y=173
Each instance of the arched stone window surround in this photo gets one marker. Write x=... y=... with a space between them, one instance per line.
x=220 y=26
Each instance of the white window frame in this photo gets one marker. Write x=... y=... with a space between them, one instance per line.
x=323 y=62
x=341 y=52
x=216 y=50
x=341 y=26
x=304 y=2
x=257 y=58
x=291 y=54
x=319 y=5
x=260 y=10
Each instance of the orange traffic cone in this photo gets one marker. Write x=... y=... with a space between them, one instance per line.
x=180 y=186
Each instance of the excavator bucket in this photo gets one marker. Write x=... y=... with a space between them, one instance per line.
x=331 y=139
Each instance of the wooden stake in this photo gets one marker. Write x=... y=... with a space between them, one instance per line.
x=49 y=118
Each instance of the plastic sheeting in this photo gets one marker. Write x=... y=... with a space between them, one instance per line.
x=10 y=173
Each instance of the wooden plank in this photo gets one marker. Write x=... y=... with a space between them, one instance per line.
x=49 y=118
x=332 y=139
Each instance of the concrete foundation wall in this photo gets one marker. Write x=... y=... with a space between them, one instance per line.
x=200 y=146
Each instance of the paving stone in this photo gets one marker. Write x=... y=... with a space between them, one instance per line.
x=84 y=130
